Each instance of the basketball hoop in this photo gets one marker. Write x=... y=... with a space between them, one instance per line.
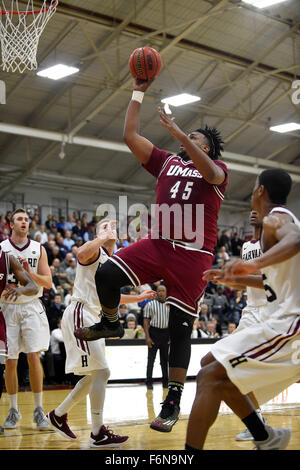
x=20 y=31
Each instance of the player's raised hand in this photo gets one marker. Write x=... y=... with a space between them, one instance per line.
x=108 y=231
x=142 y=85
x=169 y=123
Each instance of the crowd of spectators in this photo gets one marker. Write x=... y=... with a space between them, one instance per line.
x=62 y=237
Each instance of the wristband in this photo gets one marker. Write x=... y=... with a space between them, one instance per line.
x=137 y=96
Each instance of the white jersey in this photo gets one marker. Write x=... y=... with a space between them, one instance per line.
x=84 y=290
x=281 y=281
x=255 y=297
x=31 y=251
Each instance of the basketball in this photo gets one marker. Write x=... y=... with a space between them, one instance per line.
x=145 y=63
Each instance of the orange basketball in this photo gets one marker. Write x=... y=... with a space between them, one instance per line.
x=145 y=63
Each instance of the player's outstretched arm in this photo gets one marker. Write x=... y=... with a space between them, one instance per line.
x=89 y=252
x=211 y=172
x=218 y=276
x=29 y=286
x=145 y=295
x=139 y=145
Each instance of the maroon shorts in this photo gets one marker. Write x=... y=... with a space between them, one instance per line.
x=3 y=342
x=150 y=260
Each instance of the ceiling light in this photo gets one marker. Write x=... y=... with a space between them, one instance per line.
x=180 y=100
x=263 y=3
x=288 y=127
x=58 y=71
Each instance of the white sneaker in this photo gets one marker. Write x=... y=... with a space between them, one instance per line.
x=278 y=439
x=40 y=419
x=13 y=417
x=246 y=435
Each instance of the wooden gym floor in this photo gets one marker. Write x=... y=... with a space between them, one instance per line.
x=128 y=411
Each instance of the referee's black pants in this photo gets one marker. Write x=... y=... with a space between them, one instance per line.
x=160 y=338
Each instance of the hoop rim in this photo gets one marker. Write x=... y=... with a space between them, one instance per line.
x=34 y=12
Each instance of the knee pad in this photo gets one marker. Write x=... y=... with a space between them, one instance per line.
x=180 y=329
x=109 y=279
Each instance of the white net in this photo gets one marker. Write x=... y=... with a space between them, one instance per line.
x=22 y=24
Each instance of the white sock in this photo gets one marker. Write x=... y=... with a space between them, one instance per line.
x=38 y=399
x=80 y=390
x=97 y=397
x=13 y=401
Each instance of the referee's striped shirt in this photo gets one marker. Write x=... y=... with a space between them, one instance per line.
x=158 y=312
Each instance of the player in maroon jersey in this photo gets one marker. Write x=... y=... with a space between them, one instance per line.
x=181 y=244
x=10 y=265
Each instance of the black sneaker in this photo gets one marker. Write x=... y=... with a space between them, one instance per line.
x=103 y=329
x=167 y=417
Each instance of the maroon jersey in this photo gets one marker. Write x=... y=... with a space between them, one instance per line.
x=196 y=202
x=4 y=269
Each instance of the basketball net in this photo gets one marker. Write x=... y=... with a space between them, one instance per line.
x=20 y=31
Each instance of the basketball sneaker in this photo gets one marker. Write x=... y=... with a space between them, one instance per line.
x=13 y=417
x=106 y=438
x=278 y=439
x=103 y=329
x=167 y=417
x=246 y=435
x=40 y=419
x=60 y=424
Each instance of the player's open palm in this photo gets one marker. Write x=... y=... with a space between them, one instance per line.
x=108 y=231
x=169 y=123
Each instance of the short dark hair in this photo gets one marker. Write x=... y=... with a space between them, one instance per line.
x=214 y=140
x=277 y=183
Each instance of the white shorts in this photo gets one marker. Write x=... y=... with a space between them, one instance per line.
x=263 y=358
x=250 y=316
x=83 y=357
x=27 y=328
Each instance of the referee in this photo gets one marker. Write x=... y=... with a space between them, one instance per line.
x=156 y=320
